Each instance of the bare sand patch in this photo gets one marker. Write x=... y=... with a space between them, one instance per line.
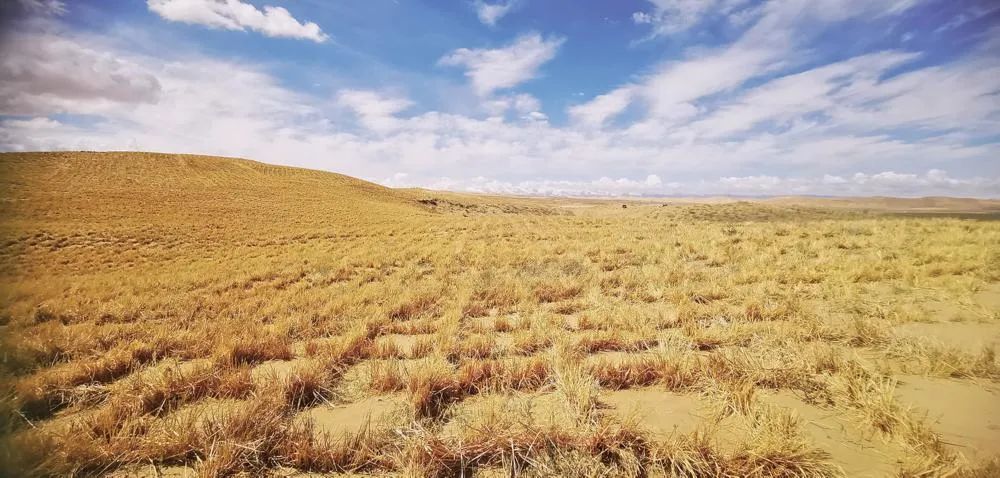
x=406 y=342
x=988 y=298
x=946 y=311
x=203 y=409
x=855 y=450
x=518 y=410
x=970 y=336
x=353 y=417
x=660 y=412
x=278 y=370
x=966 y=414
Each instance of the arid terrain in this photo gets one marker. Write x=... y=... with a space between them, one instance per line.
x=168 y=315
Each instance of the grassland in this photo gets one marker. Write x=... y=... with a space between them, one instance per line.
x=169 y=315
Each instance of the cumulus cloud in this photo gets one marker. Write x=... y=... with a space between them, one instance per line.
x=375 y=110
x=491 y=13
x=47 y=73
x=602 y=108
x=490 y=70
x=237 y=15
x=523 y=106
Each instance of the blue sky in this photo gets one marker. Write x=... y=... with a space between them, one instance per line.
x=645 y=97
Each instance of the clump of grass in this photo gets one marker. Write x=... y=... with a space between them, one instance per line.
x=776 y=448
x=249 y=350
x=410 y=308
x=308 y=386
x=431 y=387
x=737 y=398
x=757 y=310
x=493 y=297
x=930 y=358
x=557 y=290
x=349 y=349
x=164 y=392
x=502 y=325
x=613 y=341
x=247 y=437
x=869 y=332
x=384 y=348
x=873 y=396
x=579 y=391
x=46 y=392
x=633 y=371
x=530 y=373
x=473 y=347
x=367 y=450
x=528 y=343
x=712 y=337
x=386 y=376
x=426 y=325
x=421 y=347
x=691 y=454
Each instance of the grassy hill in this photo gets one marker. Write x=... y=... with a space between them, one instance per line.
x=171 y=314
x=75 y=185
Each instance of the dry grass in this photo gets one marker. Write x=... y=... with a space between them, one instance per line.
x=141 y=293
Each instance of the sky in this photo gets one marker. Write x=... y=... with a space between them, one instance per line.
x=539 y=97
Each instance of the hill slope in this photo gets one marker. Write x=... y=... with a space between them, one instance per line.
x=171 y=187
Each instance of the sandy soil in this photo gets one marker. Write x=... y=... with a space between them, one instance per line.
x=967 y=414
x=352 y=417
x=851 y=448
x=662 y=413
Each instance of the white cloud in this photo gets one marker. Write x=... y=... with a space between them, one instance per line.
x=602 y=108
x=45 y=73
x=961 y=95
x=672 y=92
x=491 y=13
x=793 y=96
x=642 y=18
x=501 y=68
x=669 y=17
x=522 y=104
x=375 y=111
x=236 y=15
x=971 y=14
x=669 y=92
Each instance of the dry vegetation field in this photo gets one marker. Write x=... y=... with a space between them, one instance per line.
x=177 y=315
